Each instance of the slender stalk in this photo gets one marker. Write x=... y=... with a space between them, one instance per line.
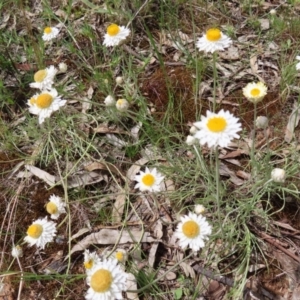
x=218 y=187
x=252 y=154
x=215 y=80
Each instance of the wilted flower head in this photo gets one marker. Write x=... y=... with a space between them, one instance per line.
x=115 y=34
x=50 y=33
x=110 y=101
x=55 y=207
x=213 y=40
x=199 y=209
x=149 y=180
x=192 y=231
x=40 y=233
x=106 y=280
x=255 y=92
x=262 y=122
x=43 y=79
x=122 y=105
x=278 y=175
x=217 y=129
x=17 y=251
x=91 y=259
x=45 y=103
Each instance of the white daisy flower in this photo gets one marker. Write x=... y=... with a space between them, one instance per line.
x=90 y=260
x=17 y=251
x=213 y=40
x=45 y=103
x=192 y=231
x=106 y=280
x=121 y=255
x=298 y=64
x=43 y=79
x=55 y=207
x=50 y=33
x=115 y=34
x=122 y=105
x=278 y=175
x=217 y=129
x=40 y=233
x=110 y=101
x=255 y=92
x=149 y=180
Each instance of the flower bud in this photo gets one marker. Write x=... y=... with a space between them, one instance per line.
x=262 y=122
x=193 y=130
x=17 y=251
x=273 y=12
x=190 y=140
x=119 y=80
x=63 y=67
x=278 y=175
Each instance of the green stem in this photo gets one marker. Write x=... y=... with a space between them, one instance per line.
x=253 y=163
x=218 y=187
x=215 y=80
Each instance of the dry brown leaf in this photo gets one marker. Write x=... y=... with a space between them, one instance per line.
x=83 y=179
x=135 y=168
x=102 y=166
x=167 y=275
x=264 y=24
x=115 y=141
x=79 y=233
x=158 y=230
x=43 y=175
x=152 y=254
x=292 y=123
x=112 y=237
x=104 y=128
x=187 y=269
x=225 y=171
x=118 y=208
x=131 y=284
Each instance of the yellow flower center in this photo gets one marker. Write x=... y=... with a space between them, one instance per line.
x=48 y=30
x=216 y=124
x=148 y=179
x=35 y=230
x=44 y=100
x=40 y=75
x=119 y=256
x=255 y=92
x=88 y=264
x=51 y=208
x=191 y=229
x=101 y=281
x=213 y=34
x=113 y=29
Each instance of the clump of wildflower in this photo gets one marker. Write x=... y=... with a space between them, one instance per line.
x=110 y=101
x=40 y=233
x=115 y=34
x=278 y=175
x=63 y=67
x=55 y=207
x=43 y=79
x=122 y=105
x=298 y=64
x=262 y=122
x=50 y=33
x=90 y=260
x=149 y=180
x=192 y=231
x=255 y=92
x=106 y=280
x=213 y=40
x=217 y=129
x=199 y=209
x=45 y=103
x=17 y=251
